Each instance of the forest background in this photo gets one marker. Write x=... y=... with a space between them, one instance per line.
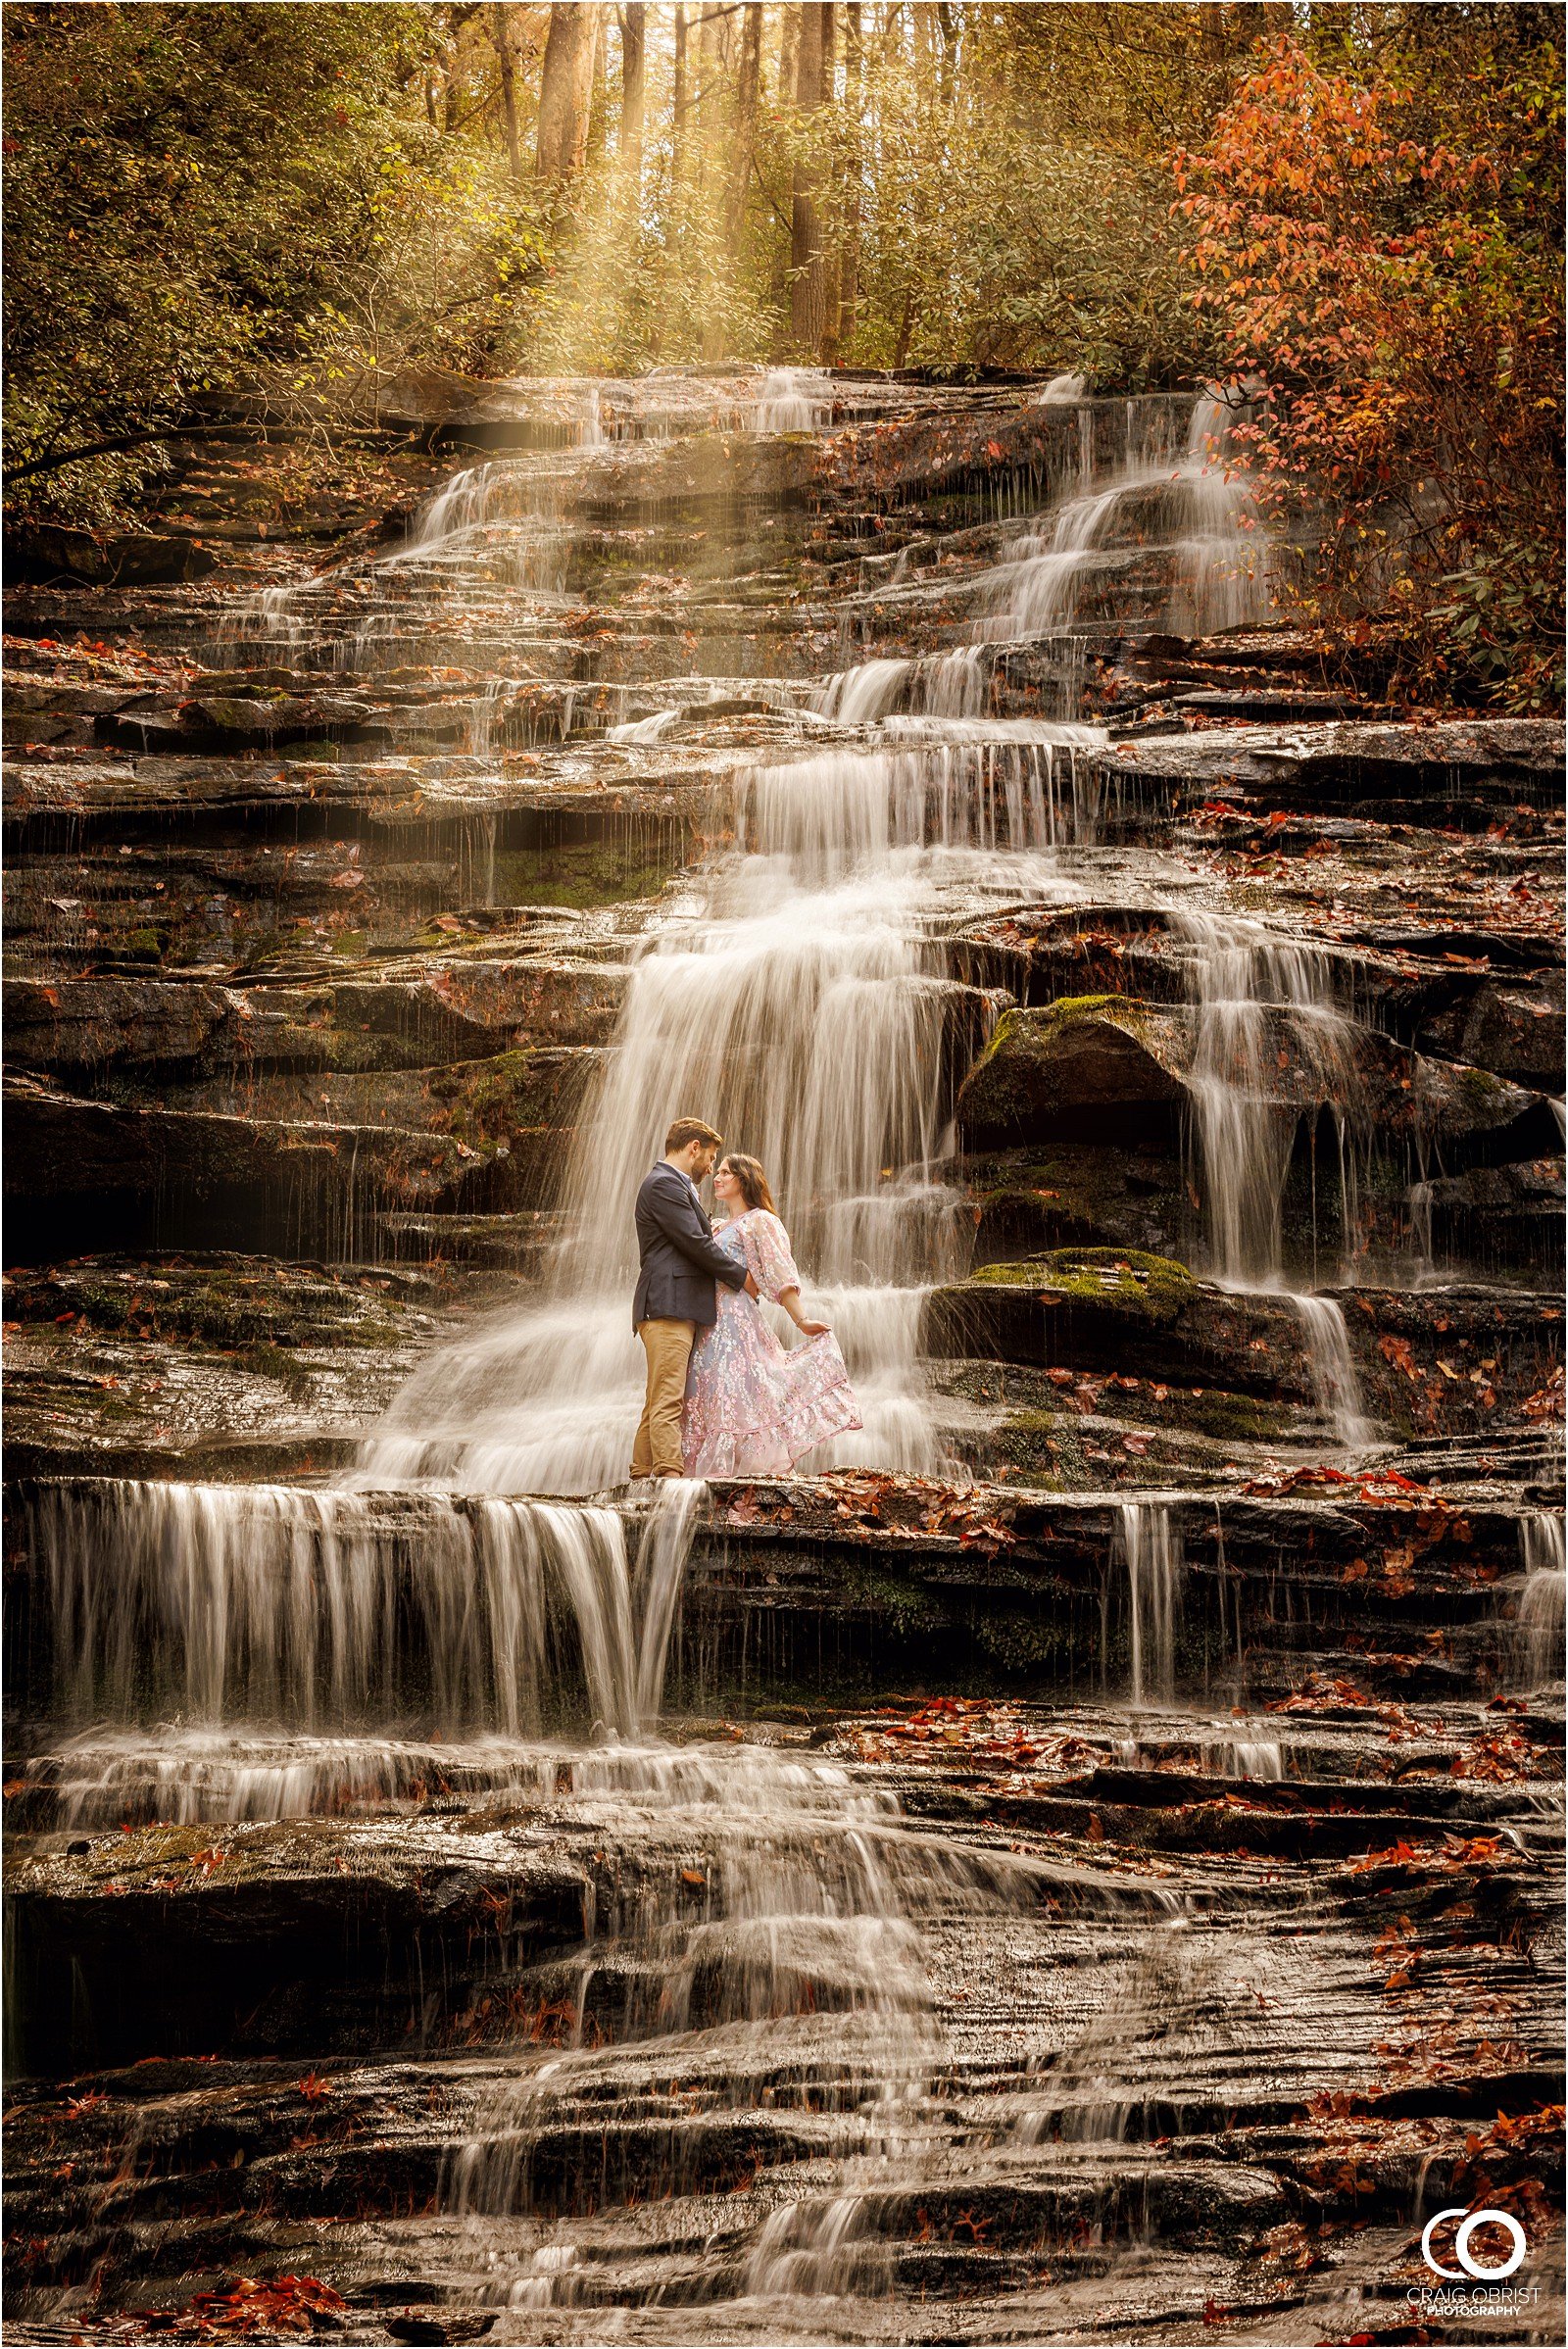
x=1348 y=216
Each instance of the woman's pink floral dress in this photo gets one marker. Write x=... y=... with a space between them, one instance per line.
x=751 y=1407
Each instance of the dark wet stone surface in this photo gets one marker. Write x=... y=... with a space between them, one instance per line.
x=1299 y=2058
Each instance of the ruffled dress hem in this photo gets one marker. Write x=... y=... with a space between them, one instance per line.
x=752 y=1408
x=826 y=1407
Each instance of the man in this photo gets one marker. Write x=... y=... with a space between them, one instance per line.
x=675 y=1297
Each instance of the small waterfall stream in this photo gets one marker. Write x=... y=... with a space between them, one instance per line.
x=1539 y=1624
x=1150 y=1548
x=1263 y=1006
x=273 y=1607
x=1183 y=517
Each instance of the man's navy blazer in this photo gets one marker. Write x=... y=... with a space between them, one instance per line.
x=680 y=1257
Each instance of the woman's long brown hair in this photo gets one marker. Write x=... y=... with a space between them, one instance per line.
x=748 y=1172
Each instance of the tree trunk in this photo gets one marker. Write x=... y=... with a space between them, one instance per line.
x=599 y=87
x=948 y=25
x=807 y=260
x=747 y=91
x=565 y=94
x=678 y=104
x=778 y=289
x=922 y=26
x=789 y=37
x=702 y=108
x=854 y=165
x=500 y=22
x=633 y=90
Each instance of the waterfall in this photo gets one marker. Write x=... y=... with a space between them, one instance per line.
x=1260 y=1000
x=796 y=1011
x=661 y=1566
x=1151 y=1548
x=1539 y=1625
x=1214 y=558
x=1336 y=1385
x=103 y=1775
x=796 y=1950
x=937 y=685
x=281 y=1606
x=794 y=400
x=1017 y=787
x=501 y=519
x=1255 y=995
x=827 y=2248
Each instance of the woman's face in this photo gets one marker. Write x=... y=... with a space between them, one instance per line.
x=726 y=1186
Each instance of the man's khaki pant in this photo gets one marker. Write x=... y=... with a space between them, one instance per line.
x=669 y=1348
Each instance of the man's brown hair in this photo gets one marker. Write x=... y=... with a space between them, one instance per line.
x=690 y=1129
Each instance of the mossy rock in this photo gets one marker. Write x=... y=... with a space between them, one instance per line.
x=1086 y=1067
x=491 y=1101
x=1155 y=1288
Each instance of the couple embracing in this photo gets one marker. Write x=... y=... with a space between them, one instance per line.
x=723 y=1396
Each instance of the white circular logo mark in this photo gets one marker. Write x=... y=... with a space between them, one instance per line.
x=1471 y=2266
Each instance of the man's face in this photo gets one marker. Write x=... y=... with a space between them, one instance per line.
x=702 y=1162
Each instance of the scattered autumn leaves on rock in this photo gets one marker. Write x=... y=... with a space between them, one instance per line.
x=247 y=2309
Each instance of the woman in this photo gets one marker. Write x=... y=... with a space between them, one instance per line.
x=752 y=1409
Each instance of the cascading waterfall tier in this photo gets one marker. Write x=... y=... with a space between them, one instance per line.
x=794 y=400
x=797 y=1969
x=1257 y=994
x=1150 y=1551
x=1180 y=520
x=320 y=1611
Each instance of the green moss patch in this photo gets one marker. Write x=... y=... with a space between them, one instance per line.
x=1157 y=1288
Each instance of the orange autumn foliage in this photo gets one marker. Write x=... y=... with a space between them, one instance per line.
x=1386 y=283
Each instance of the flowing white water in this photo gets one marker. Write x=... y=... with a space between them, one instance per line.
x=788 y=1966
x=1539 y=1628
x=1150 y=1547
x=279 y=1606
x=1221 y=1755
x=949 y=685
x=1187 y=523
x=1270 y=1044
x=1269 y=1038
x=794 y=400
x=104 y=1774
x=1336 y=1382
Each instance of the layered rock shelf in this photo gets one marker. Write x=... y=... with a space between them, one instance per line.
x=1079 y=1861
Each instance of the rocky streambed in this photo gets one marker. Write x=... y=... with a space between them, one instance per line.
x=1083 y=1860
